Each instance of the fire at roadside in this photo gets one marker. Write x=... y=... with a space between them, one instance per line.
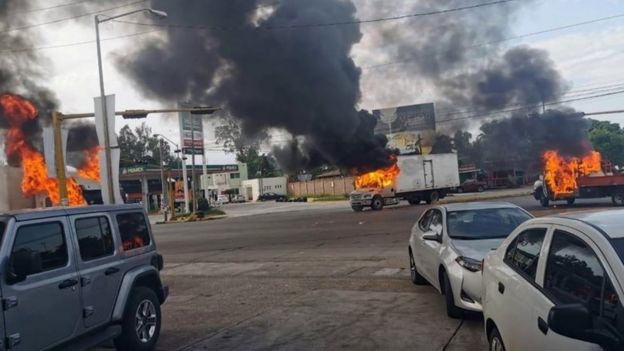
x=18 y=111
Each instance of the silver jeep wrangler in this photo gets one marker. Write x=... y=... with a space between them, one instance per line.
x=75 y=278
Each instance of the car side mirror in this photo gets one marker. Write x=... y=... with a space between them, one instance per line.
x=17 y=267
x=433 y=237
x=575 y=321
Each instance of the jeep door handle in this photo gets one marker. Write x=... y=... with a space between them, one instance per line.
x=542 y=325
x=501 y=288
x=68 y=283
x=111 y=270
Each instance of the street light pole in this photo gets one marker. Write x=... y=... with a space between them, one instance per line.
x=107 y=150
x=163 y=188
x=107 y=146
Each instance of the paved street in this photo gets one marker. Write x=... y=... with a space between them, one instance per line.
x=318 y=277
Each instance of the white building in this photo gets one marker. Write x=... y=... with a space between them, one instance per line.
x=252 y=188
x=230 y=179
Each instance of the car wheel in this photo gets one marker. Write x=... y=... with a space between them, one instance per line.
x=570 y=201
x=377 y=203
x=433 y=198
x=357 y=208
x=141 y=321
x=417 y=279
x=617 y=199
x=451 y=310
x=414 y=201
x=496 y=342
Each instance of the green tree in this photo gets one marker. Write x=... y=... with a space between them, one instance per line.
x=608 y=139
x=139 y=146
x=230 y=136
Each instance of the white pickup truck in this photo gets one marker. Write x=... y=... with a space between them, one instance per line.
x=421 y=178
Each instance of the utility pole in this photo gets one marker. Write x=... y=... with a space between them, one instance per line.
x=193 y=190
x=59 y=159
x=163 y=188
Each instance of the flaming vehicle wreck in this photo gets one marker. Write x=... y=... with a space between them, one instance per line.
x=569 y=178
x=414 y=178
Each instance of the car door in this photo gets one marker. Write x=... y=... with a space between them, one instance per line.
x=44 y=308
x=430 y=249
x=514 y=288
x=99 y=265
x=573 y=273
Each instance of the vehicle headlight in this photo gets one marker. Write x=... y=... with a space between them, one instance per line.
x=469 y=263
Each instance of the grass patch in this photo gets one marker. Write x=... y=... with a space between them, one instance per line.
x=330 y=198
x=198 y=216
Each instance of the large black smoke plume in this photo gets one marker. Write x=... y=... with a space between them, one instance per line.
x=463 y=58
x=302 y=80
x=21 y=71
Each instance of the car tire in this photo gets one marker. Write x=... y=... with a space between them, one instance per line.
x=495 y=341
x=570 y=201
x=451 y=309
x=433 y=198
x=140 y=326
x=357 y=208
x=413 y=201
x=377 y=203
x=416 y=278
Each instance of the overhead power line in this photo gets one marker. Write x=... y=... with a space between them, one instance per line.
x=53 y=7
x=29 y=26
x=325 y=24
x=521 y=36
x=551 y=103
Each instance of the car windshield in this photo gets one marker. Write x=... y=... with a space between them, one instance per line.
x=484 y=223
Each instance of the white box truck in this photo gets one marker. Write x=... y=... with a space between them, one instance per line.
x=421 y=178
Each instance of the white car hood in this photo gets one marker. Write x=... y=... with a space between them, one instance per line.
x=475 y=249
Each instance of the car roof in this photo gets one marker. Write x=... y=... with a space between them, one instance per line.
x=40 y=213
x=610 y=222
x=465 y=206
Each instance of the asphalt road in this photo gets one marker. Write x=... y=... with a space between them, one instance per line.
x=309 y=276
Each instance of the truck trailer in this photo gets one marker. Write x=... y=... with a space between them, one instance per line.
x=420 y=178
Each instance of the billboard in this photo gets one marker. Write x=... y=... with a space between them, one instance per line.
x=191 y=133
x=411 y=129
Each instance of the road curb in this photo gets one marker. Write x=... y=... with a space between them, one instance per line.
x=453 y=199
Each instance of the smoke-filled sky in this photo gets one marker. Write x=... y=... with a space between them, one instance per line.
x=437 y=61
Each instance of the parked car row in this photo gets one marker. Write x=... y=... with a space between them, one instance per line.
x=553 y=283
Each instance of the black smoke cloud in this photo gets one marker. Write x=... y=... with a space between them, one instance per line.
x=21 y=72
x=302 y=80
x=463 y=58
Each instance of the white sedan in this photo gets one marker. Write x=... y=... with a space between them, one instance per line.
x=557 y=284
x=448 y=243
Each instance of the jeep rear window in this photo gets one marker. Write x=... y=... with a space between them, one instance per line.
x=133 y=230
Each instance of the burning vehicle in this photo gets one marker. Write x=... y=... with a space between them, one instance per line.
x=414 y=178
x=19 y=113
x=569 y=178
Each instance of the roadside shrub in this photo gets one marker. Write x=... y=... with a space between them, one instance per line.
x=203 y=204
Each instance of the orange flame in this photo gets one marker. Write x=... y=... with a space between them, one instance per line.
x=18 y=111
x=91 y=166
x=380 y=178
x=560 y=173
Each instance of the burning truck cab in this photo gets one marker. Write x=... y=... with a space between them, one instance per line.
x=569 y=178
x=414 y=178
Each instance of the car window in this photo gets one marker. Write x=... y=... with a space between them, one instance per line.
x=574 y=274
x=95 y=238
x=133 y=230
x=38 y=248
x=436 y=222
x=423 y=224
x=485 y=223
x=523 y=252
